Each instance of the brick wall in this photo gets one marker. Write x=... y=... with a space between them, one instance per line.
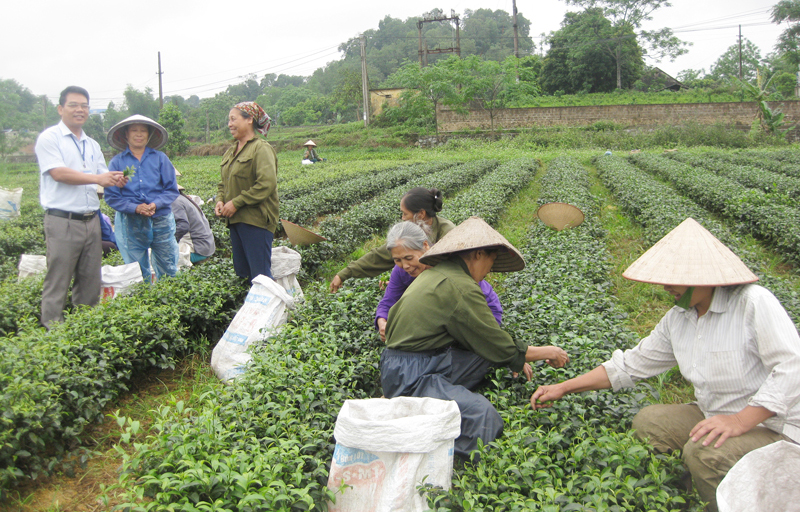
x=733 y=114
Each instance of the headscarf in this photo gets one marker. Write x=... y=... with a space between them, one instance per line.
x=261 y=120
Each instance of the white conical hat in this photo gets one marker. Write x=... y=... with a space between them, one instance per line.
x=299 y=235
x=689 y=255
x=560 y=215
x=475 y=233
x=309 y=143
x=116 y=135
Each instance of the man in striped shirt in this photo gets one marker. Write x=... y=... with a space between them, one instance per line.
x=732 y=340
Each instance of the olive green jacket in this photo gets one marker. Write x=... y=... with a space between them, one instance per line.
x=250 y=180
x=379 y=260
x=444 y=306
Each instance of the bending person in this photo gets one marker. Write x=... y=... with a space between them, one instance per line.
x=407 y=242
x=144 y=220
x=247 y=196
x=190 y=219
x=731 y=340
x=419 y=205
x=442 y=338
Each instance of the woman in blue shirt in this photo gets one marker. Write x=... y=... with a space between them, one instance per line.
x=144 y=218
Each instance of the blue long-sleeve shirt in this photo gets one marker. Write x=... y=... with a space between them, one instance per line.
x=153 y=182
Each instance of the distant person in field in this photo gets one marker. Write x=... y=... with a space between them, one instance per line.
x=247 y=196
x=71 y=166
x=144 y=221
x=310 y=156
x=408 y=242
x=418 y=205
x=442 y=338
x=190 y=219
x=731 y=340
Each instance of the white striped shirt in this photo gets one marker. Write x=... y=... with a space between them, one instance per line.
x=744 y=351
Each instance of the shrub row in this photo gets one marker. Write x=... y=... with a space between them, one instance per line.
x=750 y=209
x=52 y=383
x=764 y=160
x=659 y=209
x=749 y=176
x=338 y=197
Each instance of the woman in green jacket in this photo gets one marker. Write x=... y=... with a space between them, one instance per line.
x=248 y=193
x=418 y=205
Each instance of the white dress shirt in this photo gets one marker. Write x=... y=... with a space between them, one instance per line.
x=744 y=351
x=57 y=146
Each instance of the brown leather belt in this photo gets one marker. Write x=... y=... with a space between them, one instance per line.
x=70 y=215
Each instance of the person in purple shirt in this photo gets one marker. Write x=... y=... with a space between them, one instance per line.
x=407 y=242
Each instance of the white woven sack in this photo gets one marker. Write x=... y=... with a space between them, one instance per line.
x=263 y=312
x=386 y=448
x=764 y=480
x=286 y=264
x=185 y=248
x=9 y=203
x=116 y=280
x=31 y=265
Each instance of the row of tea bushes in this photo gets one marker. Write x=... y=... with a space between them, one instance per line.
x=770 y=217
x=747 y=175
x=577 y=456
x=265 y=442
x=659 y=209
x=52 y=383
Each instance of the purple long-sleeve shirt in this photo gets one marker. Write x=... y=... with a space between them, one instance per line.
x=400 y=280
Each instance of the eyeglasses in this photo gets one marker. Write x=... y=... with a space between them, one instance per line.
x=76 y=106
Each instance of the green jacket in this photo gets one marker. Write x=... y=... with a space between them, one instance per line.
x=250 y=180
x=444 y=306
x=379 y=260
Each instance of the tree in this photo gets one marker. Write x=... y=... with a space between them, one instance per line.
x=789 y=40
x=171 y=118
x=142 y=103
x=627 y=17
x=436 y=83
x=727 y=66
x=578 y=62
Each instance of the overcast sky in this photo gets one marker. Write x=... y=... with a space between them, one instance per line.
x=104 y=45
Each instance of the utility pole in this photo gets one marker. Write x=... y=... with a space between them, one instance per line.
x=160 y=91
x=516 y=34
x=364 y=81
x=741 y=76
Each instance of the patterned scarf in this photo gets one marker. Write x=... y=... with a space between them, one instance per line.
x=261 y=120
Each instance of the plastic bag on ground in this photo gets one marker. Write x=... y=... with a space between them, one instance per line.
x=286 y=264
x=31 y=265
x=385 y=448
x=764 y=480
x=264 y=310
x=9 y=203
x=116 y=280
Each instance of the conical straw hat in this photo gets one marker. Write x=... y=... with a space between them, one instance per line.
x=689 y=255
x=560 y=215
x=309 y=143
x=299 y=235
x=475 y=233
x=116 y=135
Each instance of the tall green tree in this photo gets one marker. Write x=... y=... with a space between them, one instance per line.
x=788 y=11
x=578 y=61
x=140 y=102
x=436 y=83
x=627 y=17
x=726 y=66
x=171 y=118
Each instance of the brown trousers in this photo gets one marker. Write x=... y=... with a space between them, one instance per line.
x=667 y=428
x=74 y=250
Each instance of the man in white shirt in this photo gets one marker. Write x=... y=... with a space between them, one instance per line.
x=71 y=166
x=733 y=341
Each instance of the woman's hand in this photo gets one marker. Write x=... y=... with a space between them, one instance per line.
x=218 y=208
x=545 y=395
x=228 y=210
x=557 y=358
x=336 y=283
x=148 y=210
x=526 y=370
x=382 y=328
